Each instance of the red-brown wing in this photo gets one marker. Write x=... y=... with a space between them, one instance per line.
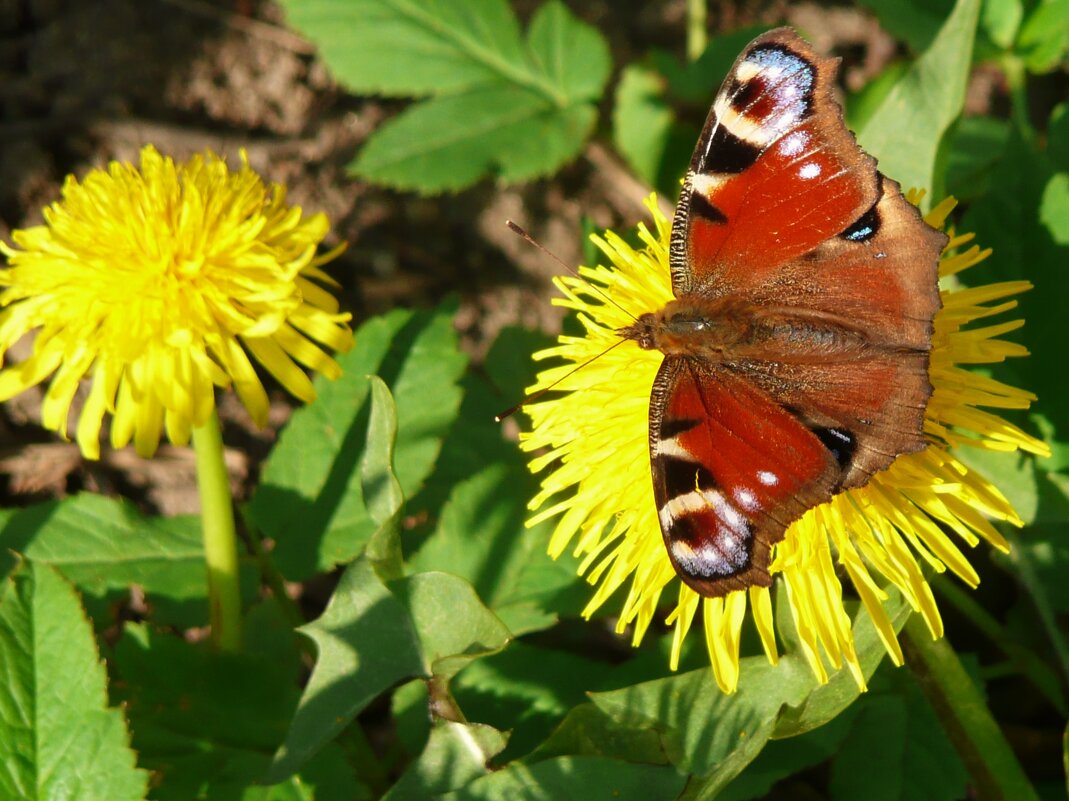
x=731 y=470
x=774 y=174
x=880 y=276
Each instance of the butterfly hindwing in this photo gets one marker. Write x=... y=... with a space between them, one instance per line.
x=731 y=469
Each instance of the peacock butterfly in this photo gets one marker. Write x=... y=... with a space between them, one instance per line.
x=796 y=348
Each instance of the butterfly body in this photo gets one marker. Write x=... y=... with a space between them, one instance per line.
x=796 y=348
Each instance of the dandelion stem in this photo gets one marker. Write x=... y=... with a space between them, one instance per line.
x=993 y=767
x=220 y=539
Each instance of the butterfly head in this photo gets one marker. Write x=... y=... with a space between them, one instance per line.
x=643 y=331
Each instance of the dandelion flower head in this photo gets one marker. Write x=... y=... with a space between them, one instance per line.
x=159 y=283
x=590 y=441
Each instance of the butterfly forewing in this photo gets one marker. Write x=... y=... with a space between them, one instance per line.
x=774 y=174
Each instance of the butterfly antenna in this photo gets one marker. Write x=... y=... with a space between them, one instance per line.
x=516 y=229
x=535 y=396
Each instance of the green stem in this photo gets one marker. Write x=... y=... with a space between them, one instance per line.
x=220 y=539
x=1024 y=661
x=1017 y=80
x=993 y=767
x=696 y=35
x=272 y=578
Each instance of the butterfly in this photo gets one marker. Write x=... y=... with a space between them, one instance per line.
x=796 y=348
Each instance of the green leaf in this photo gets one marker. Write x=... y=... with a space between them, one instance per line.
x=905 y=133
x=916 y=22
x=453 y=626
x=207 y=723
x=1058 y=137
x=715 y=736
x=456 y=754
x=481 y=537
x=782 y=758
x=405 y=47
x=203 y=719
x=499 y=104
x=58 y=738
x=1008 y=221
x=328 y=776
x=527 y=689
x=508 y=132
x=587 y=731
x=1054 y=208
x=382 y=491
x=897 y=750
x=860 y=106
x=105 y=545
x=572 y=55
x=827 y=701
x=1045 y=35
x=364 y=644
x=483 y=485
x=641 y=121
x=1000 y=20
x=975 y=147
x=705 y=731
x=573 y=779
x=310 y=499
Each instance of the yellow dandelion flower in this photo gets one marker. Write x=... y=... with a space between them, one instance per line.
x=593 y=442
x=159 y=283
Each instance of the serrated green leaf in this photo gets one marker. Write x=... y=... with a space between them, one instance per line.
x=905 y=133
x=456 y=754
x=452 y=624
x=897 y=750
x=1045 y=35
x=573 y=779
x=310 y=501
x=508 y=132
x=481 y=537
x=58 y=738
x=407 y=47
x=207 y=723
x=500 y=104
x=105 y=545
x=572 y=55
x=364 y=644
